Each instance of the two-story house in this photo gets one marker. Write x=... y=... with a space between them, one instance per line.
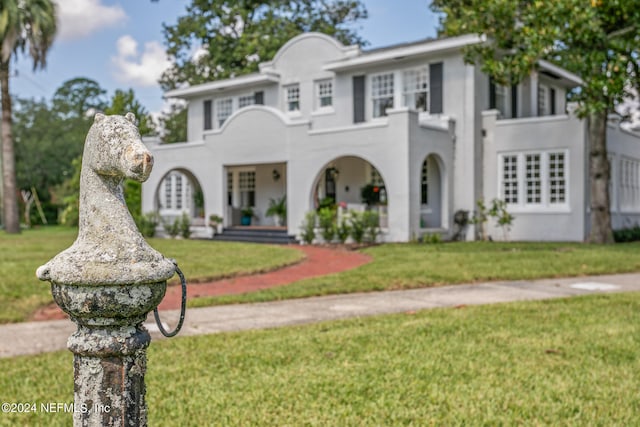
x=432 y=133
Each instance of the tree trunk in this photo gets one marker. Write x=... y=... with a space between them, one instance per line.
x=10 y=201
x=599 y=174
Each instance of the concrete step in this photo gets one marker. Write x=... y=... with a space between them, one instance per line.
x=256 y=235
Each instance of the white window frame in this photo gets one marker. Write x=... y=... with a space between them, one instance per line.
x=324 y=93
x=382 y=94
x=629 y=185
x=292 y=98
x=415 y=81
x=543 y=100
x=522 y=202
x=224 y=110
x=246 y=100
x=176 y=196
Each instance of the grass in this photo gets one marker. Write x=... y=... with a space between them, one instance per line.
x=403 y=266
x=568 y=362
x=21 y=292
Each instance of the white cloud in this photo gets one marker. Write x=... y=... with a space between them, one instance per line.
x=141 y=69
x=79 y=18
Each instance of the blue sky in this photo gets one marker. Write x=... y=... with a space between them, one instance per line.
x=119 y=44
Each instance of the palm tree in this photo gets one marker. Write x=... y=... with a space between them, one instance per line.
x=24 y=24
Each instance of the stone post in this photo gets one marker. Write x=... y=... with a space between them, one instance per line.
x=109 y=280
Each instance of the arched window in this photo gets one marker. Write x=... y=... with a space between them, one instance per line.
x=177 y=194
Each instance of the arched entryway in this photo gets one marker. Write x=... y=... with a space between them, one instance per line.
x=351 y=183
x=431 y=192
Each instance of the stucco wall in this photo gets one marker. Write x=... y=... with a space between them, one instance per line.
x=563 y=223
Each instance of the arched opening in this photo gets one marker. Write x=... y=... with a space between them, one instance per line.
x=431 y=191
x=351 y=183
x=180 y=192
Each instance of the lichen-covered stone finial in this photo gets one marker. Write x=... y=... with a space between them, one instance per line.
x=109 y=249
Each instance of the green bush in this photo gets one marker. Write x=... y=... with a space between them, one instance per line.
x=627 y=234
x=147 y=224
x=343 y=230
x=357 y=225
x=327 y=220
x=185 y=225
x=371 y=222
x=172 y=228
x=309 y=228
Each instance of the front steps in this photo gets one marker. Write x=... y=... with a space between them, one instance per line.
x=274 y=235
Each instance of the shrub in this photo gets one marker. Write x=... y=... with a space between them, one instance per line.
x=356 y=222
x=147 y=224
x=172 y=228
x=627 y=234
x=371 y=222
x=185 y=225
x=343 y=230
x=309 y=227
x=327 y=220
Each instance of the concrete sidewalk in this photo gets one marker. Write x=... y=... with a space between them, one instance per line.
x=38 y=337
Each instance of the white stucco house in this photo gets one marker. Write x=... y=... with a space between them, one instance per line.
x=433 y=133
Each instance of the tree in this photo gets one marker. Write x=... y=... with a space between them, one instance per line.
x=23 y=24
x=598 y=40
x=174 y=124
x=123 y=102
x=79 y=97
x=234 y=37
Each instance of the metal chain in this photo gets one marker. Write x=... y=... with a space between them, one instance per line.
x=183 y=308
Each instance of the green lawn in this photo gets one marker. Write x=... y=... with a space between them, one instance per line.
x=403 y=266
x=568 y=362
x=21 y=293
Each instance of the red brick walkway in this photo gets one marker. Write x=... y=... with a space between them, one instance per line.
x=319 y=261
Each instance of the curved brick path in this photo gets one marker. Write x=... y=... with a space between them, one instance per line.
x=319 y=261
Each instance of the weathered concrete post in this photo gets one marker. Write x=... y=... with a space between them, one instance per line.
x=108 y=280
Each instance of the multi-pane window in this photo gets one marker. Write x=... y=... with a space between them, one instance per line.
x=510 y=179
x=543 y=102
x=629 y=184
x=293 y=97
x=540 y=176
x=324 y=93
x=502 y=100
x=382 y=93
x=177 y=194
x=416 y=83
x=533 y=179
x=557 y=179
x=424 y=183
x=247 y=187
x=178 y=191
x=246 y=100
x=224 y=109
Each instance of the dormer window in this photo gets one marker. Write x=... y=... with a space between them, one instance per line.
x=293 y=97
x=416 y=88
x=382 y=93
x=224 y=109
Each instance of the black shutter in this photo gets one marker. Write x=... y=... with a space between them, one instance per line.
x=259 y=98
x=435 y=88
x=514 y=101
x=492 y=94
x=358 y=99
x=552 y=101
x=208 y=124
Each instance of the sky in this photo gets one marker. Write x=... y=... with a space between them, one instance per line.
x=120 y=44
